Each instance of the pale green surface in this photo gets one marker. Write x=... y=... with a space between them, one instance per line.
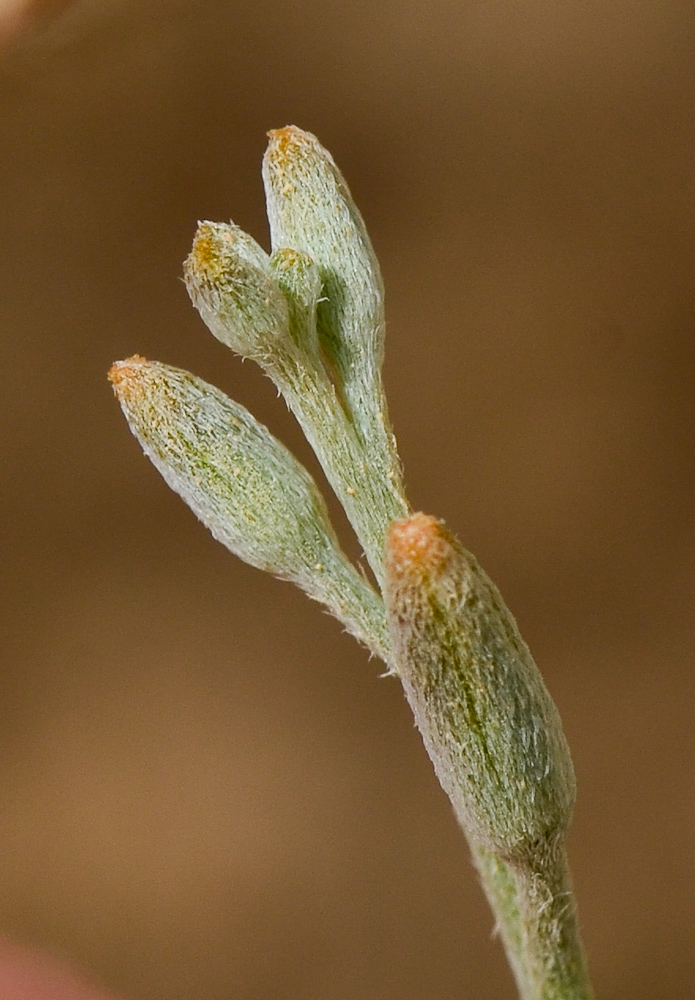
x=487 y=719
x=496 y=742
x=312 y=316
x=246 y=487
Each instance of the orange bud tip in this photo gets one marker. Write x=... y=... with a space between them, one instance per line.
x=286 y=143
x=205 y=258
x=417 y=542
x=122 y=374
x=282 y=136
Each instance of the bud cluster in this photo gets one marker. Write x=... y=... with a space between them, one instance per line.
x=311 y=314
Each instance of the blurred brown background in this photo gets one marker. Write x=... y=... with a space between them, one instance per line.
x=205 y=788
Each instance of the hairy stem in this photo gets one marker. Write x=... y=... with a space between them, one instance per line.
x=499 y=885
x=550 y=938
x=365 y=476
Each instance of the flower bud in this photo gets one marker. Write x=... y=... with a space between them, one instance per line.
x=310 y=209
x=245 y=486
x=230 y=282
x=487 y=720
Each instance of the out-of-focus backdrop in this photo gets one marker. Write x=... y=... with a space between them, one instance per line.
x=206 y=790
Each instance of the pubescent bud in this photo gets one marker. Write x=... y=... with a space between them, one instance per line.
x=310 y=208
x=230 y=282
x=246 y=487
x=488 y=722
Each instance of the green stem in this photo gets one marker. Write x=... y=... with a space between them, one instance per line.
x=537 y=921
x=365 y=475
x=499 y=886
x=551 y=941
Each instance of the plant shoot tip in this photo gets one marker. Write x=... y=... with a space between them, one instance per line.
x=286 y=142
x=286 y=133
x=121 y=374
x=204 y=258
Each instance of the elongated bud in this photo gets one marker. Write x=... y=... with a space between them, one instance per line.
x=231 y=284
x=488 y=722
x=310 y=209
x=245 y=486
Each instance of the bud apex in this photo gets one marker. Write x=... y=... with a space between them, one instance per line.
x=488 y=722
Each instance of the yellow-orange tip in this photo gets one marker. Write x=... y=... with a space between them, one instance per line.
x=418 y=541
x=121 y=373
x=207 y=259
x=287 y=142
x=285 y=134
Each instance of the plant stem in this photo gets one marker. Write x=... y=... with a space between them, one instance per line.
x=365 y=475
x=499 y=886
x=551 y=941
x=537 y=921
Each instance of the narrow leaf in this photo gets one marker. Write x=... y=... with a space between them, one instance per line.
x=310 y=208
x=489 y=724
x=246 y=487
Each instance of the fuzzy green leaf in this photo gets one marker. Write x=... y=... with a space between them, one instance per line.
x=310 y=208
x=489 y=724
x=248 y=489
